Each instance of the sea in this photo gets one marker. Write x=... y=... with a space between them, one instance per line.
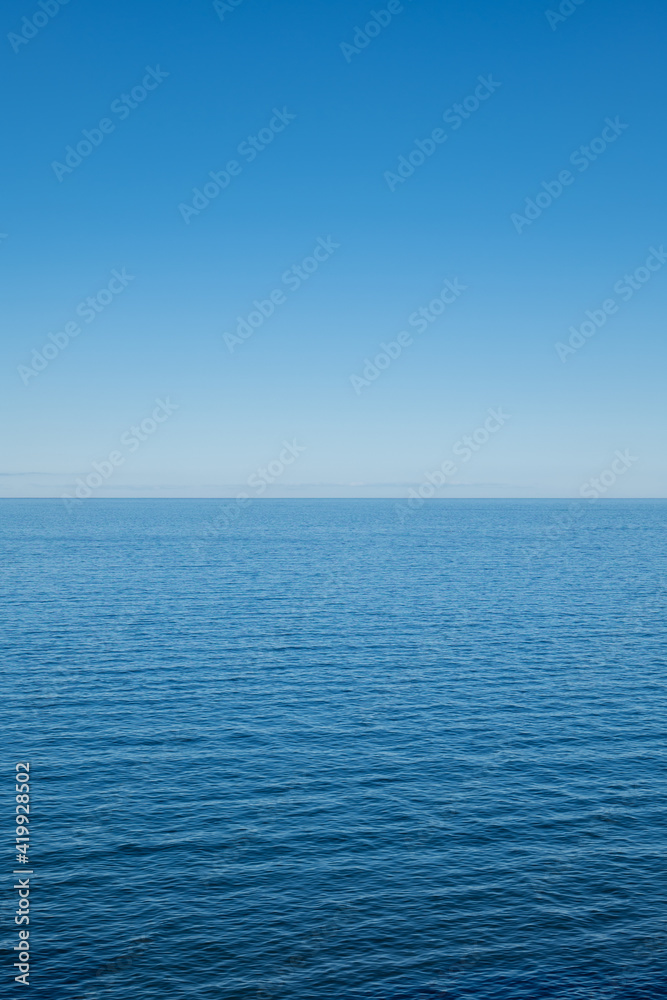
x=341 y=749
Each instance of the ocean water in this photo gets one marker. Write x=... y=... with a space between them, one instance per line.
x=338 y=749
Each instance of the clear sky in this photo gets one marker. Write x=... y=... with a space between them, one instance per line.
x=350 y=189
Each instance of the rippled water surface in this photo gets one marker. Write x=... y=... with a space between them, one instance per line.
x=339 y=749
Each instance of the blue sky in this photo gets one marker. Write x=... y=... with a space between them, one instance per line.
x=171 y=92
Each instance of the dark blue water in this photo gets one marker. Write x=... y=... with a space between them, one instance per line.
x=323 y=750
